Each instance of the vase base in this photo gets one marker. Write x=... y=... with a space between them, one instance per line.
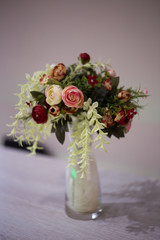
x=82 y=216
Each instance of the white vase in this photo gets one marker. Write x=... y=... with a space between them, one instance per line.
x=82 y=196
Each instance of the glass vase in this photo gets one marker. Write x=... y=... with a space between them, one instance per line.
x=82 y=196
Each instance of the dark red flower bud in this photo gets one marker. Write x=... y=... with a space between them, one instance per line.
x=84 y=58
x=39 y=114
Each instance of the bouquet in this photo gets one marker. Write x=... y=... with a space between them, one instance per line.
x=86 y=95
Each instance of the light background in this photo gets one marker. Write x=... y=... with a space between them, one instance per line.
x=33 y=33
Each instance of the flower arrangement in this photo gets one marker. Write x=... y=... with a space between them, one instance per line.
x=85 y=94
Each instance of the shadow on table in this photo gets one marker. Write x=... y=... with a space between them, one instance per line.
x=139 y=202
x=11 y=143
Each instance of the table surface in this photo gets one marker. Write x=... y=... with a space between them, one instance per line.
x=32 y=203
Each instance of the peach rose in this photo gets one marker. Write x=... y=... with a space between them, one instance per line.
x=124 y=95
x=72 y=97
x=53 y=94
x=58 y=72
x=107 y=119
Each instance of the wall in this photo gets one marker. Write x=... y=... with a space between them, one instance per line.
x=127 y=32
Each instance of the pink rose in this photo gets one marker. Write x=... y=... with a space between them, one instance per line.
x=72 y=97
x=111 y=73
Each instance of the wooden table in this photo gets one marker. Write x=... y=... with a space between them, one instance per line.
x=32 y=203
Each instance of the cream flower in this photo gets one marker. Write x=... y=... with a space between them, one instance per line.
x=53 y=94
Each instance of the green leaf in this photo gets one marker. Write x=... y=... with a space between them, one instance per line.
x=64 y=81
x=60 y=128
x=115 y=82
x=60 y=133
x=84 y=79
x=38 y=96
x=56 y=82
x=25 y=117
x=65 y=126
x=53 y=129
x=117 y=131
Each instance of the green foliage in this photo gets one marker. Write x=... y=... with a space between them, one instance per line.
x=38 y=96
x=117 y=131
x=115 y=82
x=60 y=127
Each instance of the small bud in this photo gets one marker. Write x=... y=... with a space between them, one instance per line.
x=84 y=58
